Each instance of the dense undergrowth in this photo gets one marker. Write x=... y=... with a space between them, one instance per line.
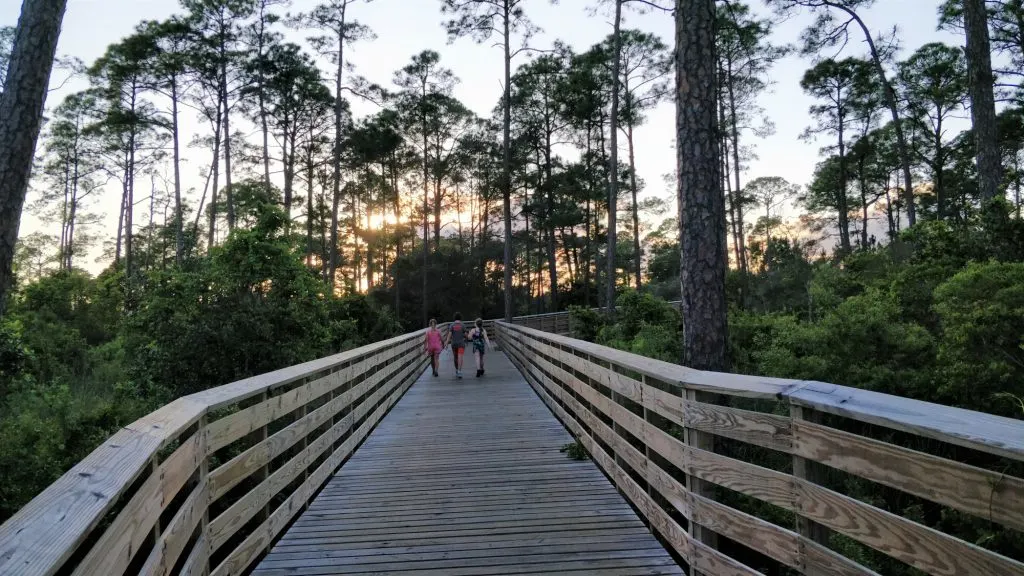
x=81 y=356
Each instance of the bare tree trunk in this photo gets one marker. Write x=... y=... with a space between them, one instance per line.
x=21 y=116
x=551 y=245
x=741 y=249
x=983 y=108
x=841 y=200
x=129 y=209
x=228 y=196
x=261 y=102
x=310 y=168
x=71 y=233
x=339 y=112
x=179 y=234
x=506 y=162
x=216 y=182
x=701 y=202
x=636 y=208
x=332 y=249
x=426 y=210
x=613 y=160
x=893 y=105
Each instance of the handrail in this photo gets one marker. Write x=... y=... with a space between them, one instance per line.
x=206 y=483
x=669 y=435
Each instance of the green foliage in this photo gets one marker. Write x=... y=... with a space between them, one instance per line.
x=981 y=311
x=644 y=325
x=74 y=367
x=575 y=451
x=585 y=323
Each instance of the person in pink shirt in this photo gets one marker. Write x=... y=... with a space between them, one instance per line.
x=432 y=344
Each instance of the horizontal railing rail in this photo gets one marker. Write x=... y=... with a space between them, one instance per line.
x=205 y=484
x=703 y=455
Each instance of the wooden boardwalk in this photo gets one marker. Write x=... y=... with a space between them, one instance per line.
x=465 y=477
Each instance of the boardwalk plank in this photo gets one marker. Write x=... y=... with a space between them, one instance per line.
x=465 y=477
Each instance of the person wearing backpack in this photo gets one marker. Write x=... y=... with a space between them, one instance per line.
x=457 y=340
x=478 y=336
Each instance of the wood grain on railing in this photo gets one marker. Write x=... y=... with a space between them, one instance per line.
x=205 y=484
x=665 y=434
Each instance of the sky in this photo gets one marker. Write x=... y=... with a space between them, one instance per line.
x=407 y=27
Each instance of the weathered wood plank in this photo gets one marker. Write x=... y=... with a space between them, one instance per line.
x=984 y=432
x=443 y=472
x=924 y=548
x=989 y=495
x=40 y=537
x=176 y=534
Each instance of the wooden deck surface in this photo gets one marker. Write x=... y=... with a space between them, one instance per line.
x=465 y=477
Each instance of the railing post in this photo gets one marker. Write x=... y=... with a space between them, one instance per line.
x=264 y=471
x=647 y=445
x=204 y=482
x=303 y=444
x=812 y=472
x=154 y=468
x=704 y=441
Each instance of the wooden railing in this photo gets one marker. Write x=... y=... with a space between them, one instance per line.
x=554 y=322
x=720 y=464
x=205 y=484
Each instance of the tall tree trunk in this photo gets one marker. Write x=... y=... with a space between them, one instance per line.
x=426 y=207
x=437 y=212
x=71 y=233
x=212 y=237
x=939 y=168
x=357 y=260
x=339 y=113
x=890 y=99
x=228 y=193
x=119 y=243
x=506 y=161
x=862 y=177
x=288 y=166
x=889 y=213
x=731 y=197
x=72 y=214
x=129 y=210
x=841 y=197
x=310 y=168
x=983 y=107
x=738 y=189
x=586 y=226
x=150 y=254
x=637 y=269
x=552 y=248
x=21 y=116
x=332 y=249
x=179 y=233
x=613 y=160
x=602 y=293
x=260 y=100
x=701 y=202
x=65 y=210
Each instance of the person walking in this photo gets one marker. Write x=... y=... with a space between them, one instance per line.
x=457 y=340
x=432 y=344
x=478 y=337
